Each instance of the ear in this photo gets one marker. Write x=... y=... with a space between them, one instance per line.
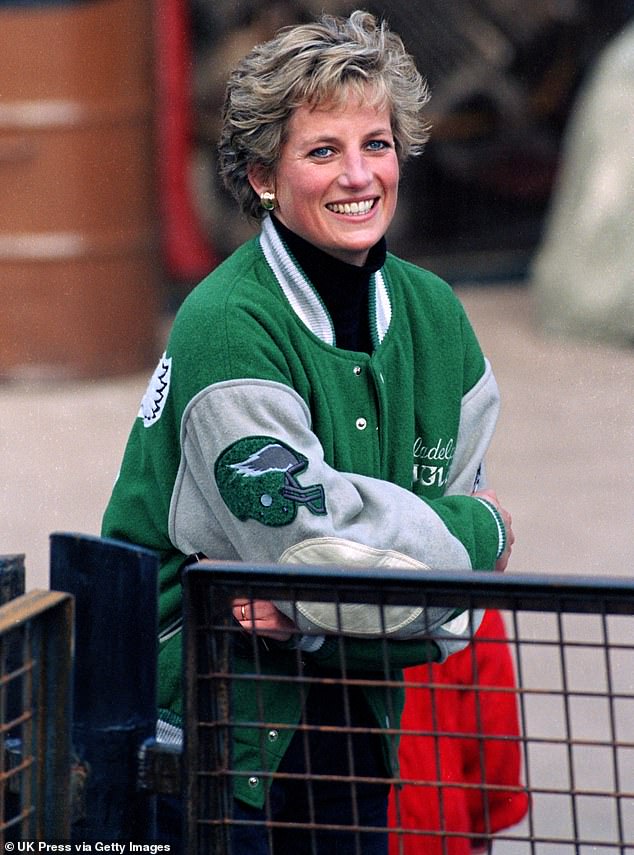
x=259 y=178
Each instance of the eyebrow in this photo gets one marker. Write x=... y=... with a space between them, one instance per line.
x=325 y=140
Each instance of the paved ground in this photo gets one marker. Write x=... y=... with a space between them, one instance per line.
x=563 y=458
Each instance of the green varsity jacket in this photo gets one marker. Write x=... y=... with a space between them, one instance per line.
x=258 y=440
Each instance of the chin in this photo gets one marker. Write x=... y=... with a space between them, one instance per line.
x=359 y=250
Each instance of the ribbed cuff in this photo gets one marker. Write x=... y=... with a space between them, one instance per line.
x=168 y=734
x=310 y=643
x=498 y=521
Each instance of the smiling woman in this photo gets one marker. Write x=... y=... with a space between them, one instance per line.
x=315 y=383
x=336 y=178
x=321 y=65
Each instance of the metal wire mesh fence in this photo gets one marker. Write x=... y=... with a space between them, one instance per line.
x=523 y=740
x=35 y=682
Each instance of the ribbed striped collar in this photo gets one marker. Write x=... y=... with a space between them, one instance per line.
x=305 y=300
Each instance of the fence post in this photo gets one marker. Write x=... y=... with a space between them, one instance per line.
x=207 y=649
x=11 y=577
x=12 y=586
x=36 y=640
x=115 y=590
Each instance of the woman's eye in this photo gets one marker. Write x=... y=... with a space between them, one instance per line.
x=378 y=145
x=323 y=151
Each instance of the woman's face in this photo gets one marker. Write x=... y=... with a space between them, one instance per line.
x=336 y=181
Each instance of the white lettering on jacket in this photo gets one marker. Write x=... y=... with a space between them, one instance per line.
x=432 y=462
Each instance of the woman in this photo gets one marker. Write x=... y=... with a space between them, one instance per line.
x=347 y=376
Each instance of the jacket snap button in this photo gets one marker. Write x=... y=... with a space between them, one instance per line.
x=253 y=781
x=357 y=370
x=362 y=424
x=273 y=735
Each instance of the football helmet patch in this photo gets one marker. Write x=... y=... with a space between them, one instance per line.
x=257 y=478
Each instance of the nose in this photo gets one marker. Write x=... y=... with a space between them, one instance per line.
x=355 y=171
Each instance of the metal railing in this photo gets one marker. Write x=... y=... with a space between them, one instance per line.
x=572 y=645
x=77 y=696
x=565 y=757
x=35 y=690
x=115 y=589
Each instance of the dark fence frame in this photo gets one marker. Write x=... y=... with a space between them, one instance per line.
x=209 y=589
x=115 y=588
x=117 y=767
x=35 y=694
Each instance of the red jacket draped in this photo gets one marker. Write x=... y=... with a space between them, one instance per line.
x=464 y=719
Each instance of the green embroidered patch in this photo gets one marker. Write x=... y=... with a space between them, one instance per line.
x=257 y=479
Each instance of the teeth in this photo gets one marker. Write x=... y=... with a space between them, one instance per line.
x=352 y=207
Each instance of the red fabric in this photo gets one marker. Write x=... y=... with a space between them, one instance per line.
x=468 y=735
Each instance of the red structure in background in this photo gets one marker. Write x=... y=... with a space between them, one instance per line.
x=188 y=254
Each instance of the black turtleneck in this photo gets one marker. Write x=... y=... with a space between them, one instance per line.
x=344 y=288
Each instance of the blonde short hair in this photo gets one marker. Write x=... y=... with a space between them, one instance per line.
x=323 y=62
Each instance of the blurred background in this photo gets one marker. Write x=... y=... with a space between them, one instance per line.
x=111 y=211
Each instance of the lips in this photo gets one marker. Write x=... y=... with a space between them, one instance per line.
x=352 y=208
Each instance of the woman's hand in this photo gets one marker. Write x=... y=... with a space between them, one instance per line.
x=261 y=617
x=503 y=560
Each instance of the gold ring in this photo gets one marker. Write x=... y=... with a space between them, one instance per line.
x=242 y=612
